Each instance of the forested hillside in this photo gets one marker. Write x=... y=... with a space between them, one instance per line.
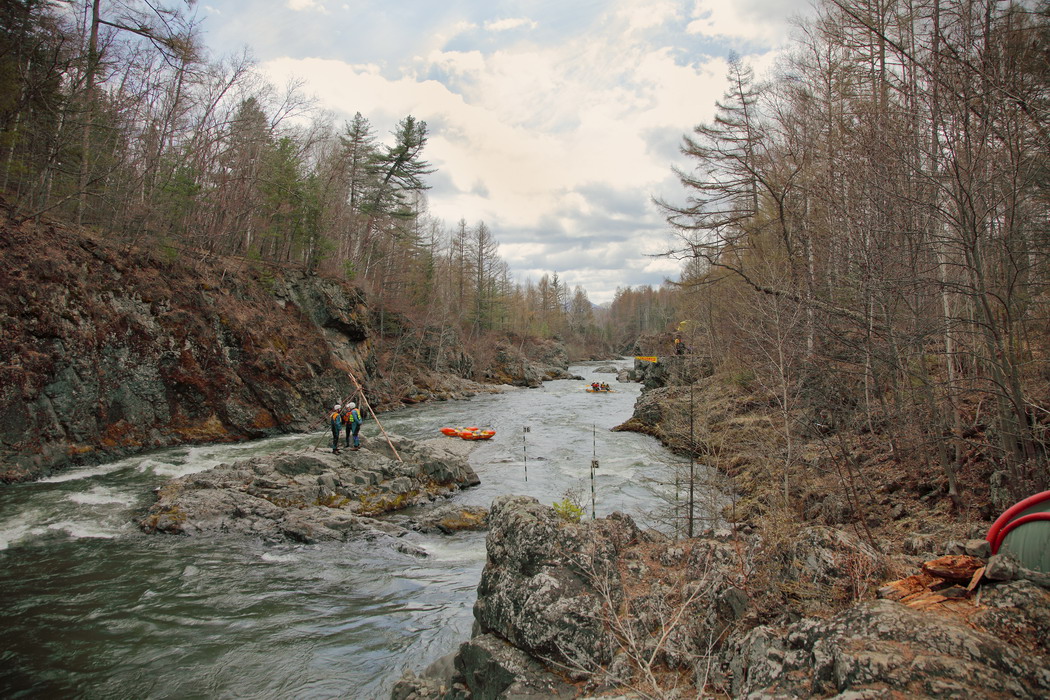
x=866 y=240
x=119 y=122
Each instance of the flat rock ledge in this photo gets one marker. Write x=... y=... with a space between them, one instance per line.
x=313 y=496
x=604 y=609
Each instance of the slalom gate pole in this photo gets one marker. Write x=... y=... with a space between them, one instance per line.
x=364 y=401
x=524 y=451
x=594 y=465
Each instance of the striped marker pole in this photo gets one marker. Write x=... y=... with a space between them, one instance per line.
x=594 y=466
x=525 y=451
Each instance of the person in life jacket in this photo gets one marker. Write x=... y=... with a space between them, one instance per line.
x=336 y=421
x=352 y=417
x=348 y=420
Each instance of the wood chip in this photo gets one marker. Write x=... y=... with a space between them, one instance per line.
x=900 y=589
x=977 y=576
x=926 y=601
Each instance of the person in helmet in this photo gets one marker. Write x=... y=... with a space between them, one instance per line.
x=336 y=421
x=352 y=419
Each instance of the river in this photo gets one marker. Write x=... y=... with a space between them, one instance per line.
x=93 y=608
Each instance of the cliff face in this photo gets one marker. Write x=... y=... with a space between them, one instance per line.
x=107 y=351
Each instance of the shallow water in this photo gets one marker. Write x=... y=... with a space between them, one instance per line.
x=91 y=607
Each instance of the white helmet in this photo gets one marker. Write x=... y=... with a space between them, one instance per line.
x=336 y=407
x=351 y=405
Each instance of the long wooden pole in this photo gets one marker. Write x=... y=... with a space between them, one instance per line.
x=367 y=405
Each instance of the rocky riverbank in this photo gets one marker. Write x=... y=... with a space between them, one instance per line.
x=603 y=609
x=813 y=591
x=315 y=495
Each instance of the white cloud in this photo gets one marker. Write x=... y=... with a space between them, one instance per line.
x=456 y=63
x=502 y=25
x=751 y=20
x=299 y=5
x=456 y=28
x=645 y=14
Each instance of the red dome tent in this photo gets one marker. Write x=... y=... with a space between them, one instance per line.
x=1024 y=530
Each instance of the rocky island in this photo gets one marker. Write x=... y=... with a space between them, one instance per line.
x=314 y=495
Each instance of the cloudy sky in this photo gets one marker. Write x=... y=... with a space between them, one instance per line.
x=553 y=121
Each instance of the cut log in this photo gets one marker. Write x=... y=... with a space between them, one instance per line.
x=954 y=567
x=901 y=589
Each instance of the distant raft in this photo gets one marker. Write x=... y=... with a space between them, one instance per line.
x=589 y=390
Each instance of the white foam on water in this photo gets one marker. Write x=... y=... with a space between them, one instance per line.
x=171 y=469
x=440 y=550
x=83 y=530
x=279 y=558
x=150 y=465
x=140 y=463
x=199 y=458
x=84 y=473
x=190 y=466
x=16 y=530
x=100 y=495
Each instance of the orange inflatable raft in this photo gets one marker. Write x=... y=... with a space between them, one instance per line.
x=480 y=434
x=469 y=433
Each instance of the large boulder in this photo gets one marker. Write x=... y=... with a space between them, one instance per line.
x=539 y=587
x=823 y=566
x=543 y=606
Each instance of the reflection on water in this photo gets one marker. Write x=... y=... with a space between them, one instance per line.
x=94 y=608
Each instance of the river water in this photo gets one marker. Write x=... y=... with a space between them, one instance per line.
x=91 y=607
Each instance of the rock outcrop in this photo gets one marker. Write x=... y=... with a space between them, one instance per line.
x=445 y=519
x=529 y=364
x=538 y=589
x=885 y=649
x=310 y=496
x=601 y=609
